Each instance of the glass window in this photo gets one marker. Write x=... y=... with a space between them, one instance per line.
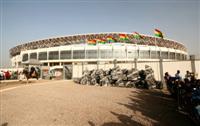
x=158 y=54
x=182 y=56
x=132 y=54
x=53 y=64
x=154 y=55
x=185 y=57
x=164 y=55
x=118 y=53
x=78 y=54
x=45 y=64
x=25 y=57
x=172 y=55
x=105 y=54
x=178 y=56
x=33 y=56
x=65 y=54
x=42 y=56
x=53 y=55
x=144 y=54
x=123 y=53
x=91 y=54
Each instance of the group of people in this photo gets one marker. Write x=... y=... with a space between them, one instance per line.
x=186 y=91
x=33 y=72
x=144 y=40
x=7 y=75
x=189 y=79
x=188 y=82
x=183 y=88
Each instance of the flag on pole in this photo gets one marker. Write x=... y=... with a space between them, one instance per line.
x=110 y=39
x=158 y=33
x=123 y=37
x=101 y=41
x=91 y=42
x=137 y=35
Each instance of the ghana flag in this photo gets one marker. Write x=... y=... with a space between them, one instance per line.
x=136 y=35
x=101 y=41
x=110 y=39
x=91 y=42
x=123 y=37
x=158 y=33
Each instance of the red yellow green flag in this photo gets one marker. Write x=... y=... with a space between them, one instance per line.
x=110 y=39
x=91 y=42
x=101 y=41
x=158 y=33
x=123 y=37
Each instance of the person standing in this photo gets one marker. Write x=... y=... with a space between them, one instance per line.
x=178 y=76
x=188 y=75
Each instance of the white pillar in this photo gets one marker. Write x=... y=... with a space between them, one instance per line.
x=161 y=73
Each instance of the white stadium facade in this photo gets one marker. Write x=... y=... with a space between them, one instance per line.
x=75 y=48
x=75 y=53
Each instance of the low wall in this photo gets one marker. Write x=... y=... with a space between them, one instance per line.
x=197 y=67
x=172 y=67
x=159 y=67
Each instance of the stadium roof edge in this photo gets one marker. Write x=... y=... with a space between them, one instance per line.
x=55 y=37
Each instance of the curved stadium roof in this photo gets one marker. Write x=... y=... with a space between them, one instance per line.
x=83 y=38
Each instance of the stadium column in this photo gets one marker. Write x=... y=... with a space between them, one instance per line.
x=192 y=59
x=72 y=70
x=85 y=51
x=59 y=57
x=161 y=73
x=168 y=54
x=115 y=62
x=28 y=56
x=48 y=57
x=37 y=55
x=64 y=73
x=98 y=55
x=150 y=53
x=126 y=52
x=138 y=52
x=82 y=68
x=135 y=63
x=175 y=55
x=112 y=51
x=72 y=53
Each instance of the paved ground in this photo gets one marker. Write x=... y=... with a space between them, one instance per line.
x=64 y=103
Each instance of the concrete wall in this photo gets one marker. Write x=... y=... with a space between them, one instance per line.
x=197 y=66
x=77 y=70
x=172 y=67
x=155 y=66
x=125 y=65
x=159 y=67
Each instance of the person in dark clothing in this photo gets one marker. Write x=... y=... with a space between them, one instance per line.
x=177 y=75
x=167 y=78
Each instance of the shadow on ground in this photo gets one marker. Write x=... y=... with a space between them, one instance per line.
x=4 y=124
x=149 y=107
x=157 y=108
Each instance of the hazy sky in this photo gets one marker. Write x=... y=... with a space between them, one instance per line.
x=27 y=20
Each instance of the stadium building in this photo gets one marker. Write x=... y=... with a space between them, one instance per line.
x=97 y=47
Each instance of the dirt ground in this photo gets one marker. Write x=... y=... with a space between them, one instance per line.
x=64 y=103
x=14 y=83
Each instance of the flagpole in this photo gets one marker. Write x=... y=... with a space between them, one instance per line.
x=156 y=45
x=98 y=52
